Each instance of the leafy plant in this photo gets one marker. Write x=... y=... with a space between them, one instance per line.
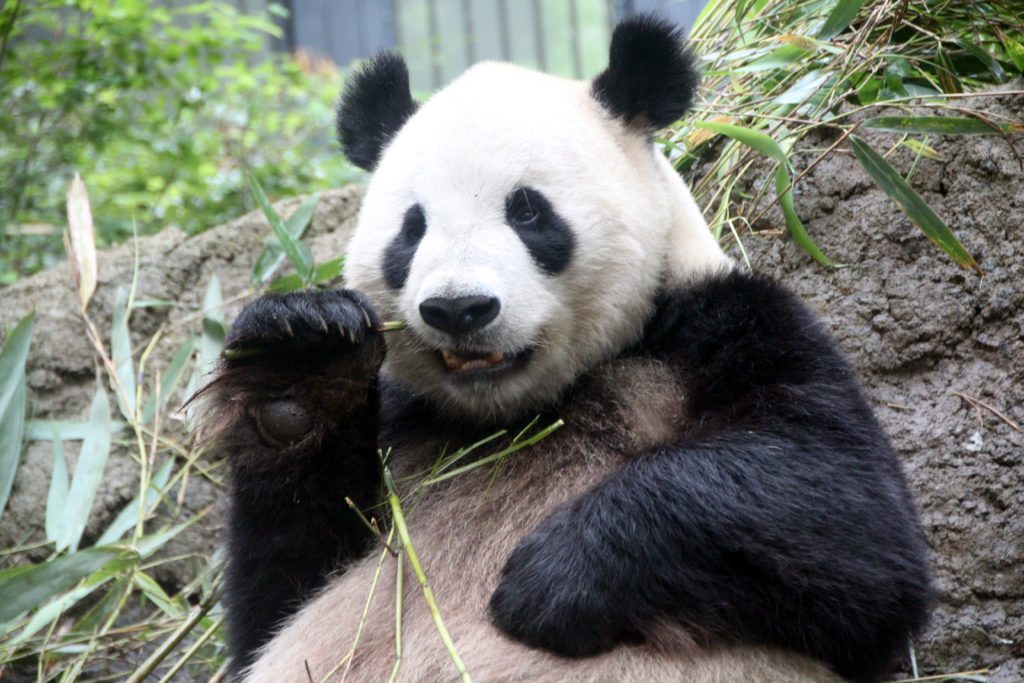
x=162 y=108
x=777 y=70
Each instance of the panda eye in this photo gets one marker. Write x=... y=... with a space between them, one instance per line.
x=522 y=207
x=414 y=224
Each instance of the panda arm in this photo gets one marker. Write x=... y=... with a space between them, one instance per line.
x=294 y=409
x=783 y=518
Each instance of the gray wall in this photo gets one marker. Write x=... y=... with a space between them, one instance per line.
x=440 y=38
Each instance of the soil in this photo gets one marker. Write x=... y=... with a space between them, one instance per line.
x=940 y=350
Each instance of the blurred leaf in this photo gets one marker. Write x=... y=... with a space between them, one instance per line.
x=214 y=330
x=80 y=241
x=985 y=58
x=12 y=402
x=796 y=227
x=804 y=88
x=58 y=492
x=169 y=379
x=298 y=253
x=147 y=545
x=272 y=255
x=916 y=209
x=1015 y=51
x=26 y=587
x=12 y=429
x=92 y=458
x=777 y=59
x=125 y=520
x=152 y=590
x=328 y=270
x=53 y=609
x=751 y=138
x=842 y=14
x=121 y=354
x=918 y=147
x=939 y=125
x=66 y=430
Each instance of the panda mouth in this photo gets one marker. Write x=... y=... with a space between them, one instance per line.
x=477 y=363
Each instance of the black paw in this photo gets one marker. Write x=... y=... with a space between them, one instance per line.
x=318 y=319
x=555 y=594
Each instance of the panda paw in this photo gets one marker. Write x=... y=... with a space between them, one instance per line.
x=320 y=320
x=554 y=595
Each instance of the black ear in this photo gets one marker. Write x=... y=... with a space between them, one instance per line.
x=375 y=104
x=651 y=79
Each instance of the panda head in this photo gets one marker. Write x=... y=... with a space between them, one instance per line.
x=521 y=223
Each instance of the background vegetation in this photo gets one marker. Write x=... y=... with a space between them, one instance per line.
x=89 y=607
x=162 y=109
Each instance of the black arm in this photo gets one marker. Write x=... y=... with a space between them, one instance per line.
x=783 y=518
x=295 y=409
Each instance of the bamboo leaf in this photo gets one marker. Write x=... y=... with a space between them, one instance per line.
x=779 y=58
x=92 y=458
x=298 y=253
x=121 y=355
x=65 y=430
x=125 y=520
x=273 y=255
x=12 y=431
x=916 y=209
x=80 y=241
x=147 y=545
x=12 y=402
x=940 y=125
x=328 y=270
x=796 y=227
x=169 y=380
x=804 y=88
x=157 y=595
x=53 y=609
x=842 y=14
x=751 y=138
x=58 y=492
x=26 y=587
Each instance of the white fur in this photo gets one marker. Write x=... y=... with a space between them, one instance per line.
x=497 y=127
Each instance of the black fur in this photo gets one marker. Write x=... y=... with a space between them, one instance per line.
x=546 y=234
x=375 y=104
x=651 y=79
x=783 y=519
x=315 y=356
x=398 y=256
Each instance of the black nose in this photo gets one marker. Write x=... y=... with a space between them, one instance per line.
x=461 y=315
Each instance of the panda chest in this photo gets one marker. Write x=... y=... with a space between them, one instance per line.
x=614 y=413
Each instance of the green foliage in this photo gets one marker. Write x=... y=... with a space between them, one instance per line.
x=13 y=355
x=162 y=109
x=776 y=70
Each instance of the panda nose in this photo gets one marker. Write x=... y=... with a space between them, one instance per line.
x=460 y=315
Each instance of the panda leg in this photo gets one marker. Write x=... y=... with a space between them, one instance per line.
x=295 y=409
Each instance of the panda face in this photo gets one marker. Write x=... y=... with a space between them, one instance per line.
x=522 y=233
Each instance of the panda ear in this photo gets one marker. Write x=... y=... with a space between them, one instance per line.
x=651 y=79
x=375 y=104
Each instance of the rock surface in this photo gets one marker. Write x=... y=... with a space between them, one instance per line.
x=940 y=350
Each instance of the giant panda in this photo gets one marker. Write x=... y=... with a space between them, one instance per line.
x=720 y=504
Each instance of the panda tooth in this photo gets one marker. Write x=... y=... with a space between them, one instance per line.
x=495 y=357
x=451 y=360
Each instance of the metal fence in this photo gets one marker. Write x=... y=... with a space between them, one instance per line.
x=440 y=38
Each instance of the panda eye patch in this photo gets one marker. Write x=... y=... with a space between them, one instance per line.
x=522 y=207
x=398 y=255
x=414 y=224
x=547 y=235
